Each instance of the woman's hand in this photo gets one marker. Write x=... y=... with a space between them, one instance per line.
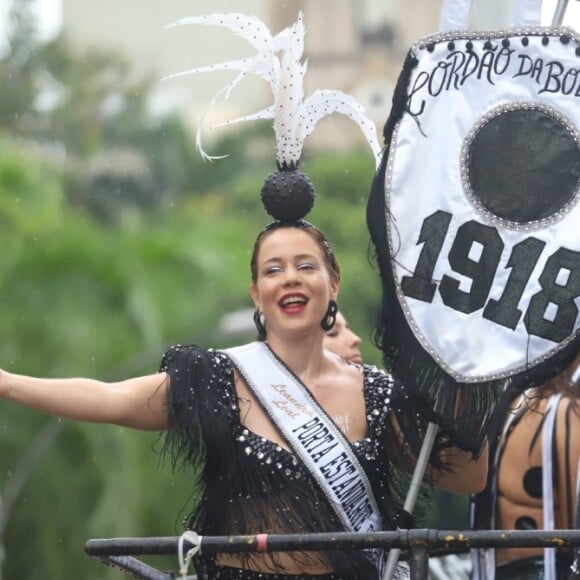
x=466 y=474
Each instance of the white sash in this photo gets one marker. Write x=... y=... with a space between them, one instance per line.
x=547 y=482
x=311 y=434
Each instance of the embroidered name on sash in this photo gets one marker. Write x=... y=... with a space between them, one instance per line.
x=339 y=472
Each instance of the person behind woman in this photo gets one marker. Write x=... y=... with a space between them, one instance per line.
x=534 y=480
x=252 y=477
x=343 y=341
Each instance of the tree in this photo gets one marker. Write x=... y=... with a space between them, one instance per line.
x=19 y=89
x=90 y=113
x=20 y=475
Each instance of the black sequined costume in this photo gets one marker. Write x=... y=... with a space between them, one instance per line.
x=250 y=485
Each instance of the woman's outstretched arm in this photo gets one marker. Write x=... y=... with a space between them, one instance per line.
x=139 y=403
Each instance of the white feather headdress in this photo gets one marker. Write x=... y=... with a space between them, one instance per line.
x=278 y=60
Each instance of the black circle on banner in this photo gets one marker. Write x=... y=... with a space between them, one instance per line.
x=523 y=164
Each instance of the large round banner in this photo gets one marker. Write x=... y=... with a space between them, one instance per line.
x=475 y=213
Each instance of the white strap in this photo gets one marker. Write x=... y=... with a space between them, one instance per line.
x=527 y=13
x=575 y=378
x=454 y=15
x=576 y=522
x=547 y=482
x=185 y=559
x=575 y=567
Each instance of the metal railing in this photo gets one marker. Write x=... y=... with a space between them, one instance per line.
x=417 y=544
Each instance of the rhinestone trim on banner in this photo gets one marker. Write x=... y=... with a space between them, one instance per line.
x=550 y=31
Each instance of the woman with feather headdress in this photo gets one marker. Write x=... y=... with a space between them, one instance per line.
x=258 y=423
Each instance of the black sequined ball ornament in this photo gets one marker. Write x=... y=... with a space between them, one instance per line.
x=287 y=195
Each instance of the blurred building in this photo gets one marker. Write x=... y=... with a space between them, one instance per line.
x=357 y=46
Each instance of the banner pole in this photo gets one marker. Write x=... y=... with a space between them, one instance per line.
x=559 y=12
x=413 y=492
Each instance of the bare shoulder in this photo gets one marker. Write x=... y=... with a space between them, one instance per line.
x=568 y=428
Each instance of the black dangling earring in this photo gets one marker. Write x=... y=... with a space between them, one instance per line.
x=260 y=326
x=330 y=317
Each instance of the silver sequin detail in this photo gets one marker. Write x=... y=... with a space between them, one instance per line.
x=484 y=35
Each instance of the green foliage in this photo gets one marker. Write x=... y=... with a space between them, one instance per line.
x=64 y=481
x=30 y=189
x=79 y=297
x=18 y=89
x=91 y=111
x=450 y=511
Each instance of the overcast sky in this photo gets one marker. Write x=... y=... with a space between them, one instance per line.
x=49 y=13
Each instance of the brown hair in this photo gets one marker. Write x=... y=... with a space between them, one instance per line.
x=320 y=239
x=564 y=383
